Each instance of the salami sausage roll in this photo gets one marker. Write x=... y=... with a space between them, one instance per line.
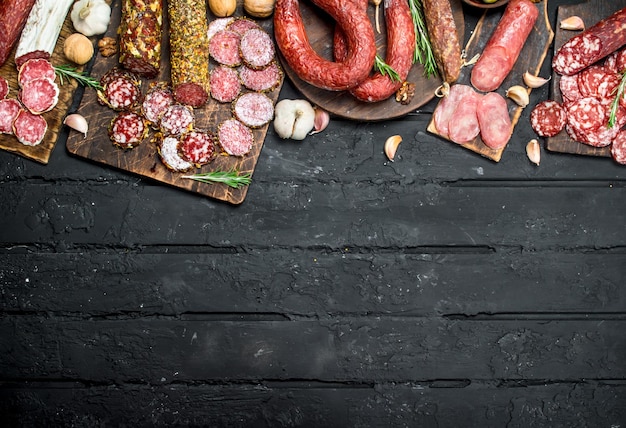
x=444 y=38
x=140 y=36
x=189 y=51
x=504 y=45
x=13 y=16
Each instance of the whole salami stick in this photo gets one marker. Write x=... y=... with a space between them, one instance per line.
x=13 y=16
x=444 y=38
x=189 y=51
x=140 y=36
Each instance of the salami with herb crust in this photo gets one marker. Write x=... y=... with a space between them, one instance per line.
x=253 y=109
x=156 y=102
x=127 y=130
x=225 y=84
x=235 y=138
x=256 y=48
x=198 y=147
x=140 y=36
x=168 y=152
x=121 y=92
x=224 y=48
x=177 y=119
x=264 y=80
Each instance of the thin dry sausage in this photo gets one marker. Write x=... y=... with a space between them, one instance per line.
x=444 y=38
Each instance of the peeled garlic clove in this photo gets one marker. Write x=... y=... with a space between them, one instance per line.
x=321 y=121
x=391 y=145
x=533 y=81
x=533 y=151
x=77 y=122
x=572 y=23
x=519 y=94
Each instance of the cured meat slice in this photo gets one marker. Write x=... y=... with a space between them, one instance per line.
x=218 y=25
x=242 y=24
x=256 y=48
x=569 y=88
x=39 y=95
x=4 y=87
x=177 y=119
x=585 y=114
x=113 y=74
x=198 y=147
x=446 y=107
x=168 y=152
x=121 y=93
x=127 y=130
x=158 y=98
x=264 y=80
x=224 y=48
x=600 y=137
x=9 y=109
x=548 y=118
x=463 y=125
x=225 y=84
x=14 y=14
x=35 y=69
x=493 y=120
x=618 y=148
x=140 y=36
x=235 y=138
x=253 y=109
x=29 y=128
x=597 y=81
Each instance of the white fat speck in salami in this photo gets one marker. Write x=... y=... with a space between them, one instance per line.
x=264 y=80
x=218 y=25
x=241 y=25
x=168 y=152
x=257 y=49
x=585 y=114
x=224 y=48
x=576 y=53
x=29 y=128
x=618 y=147
x=198 y=147
x=548 y=118
x=225 y=84
x=9 y=109
x=253 y=109
x=39 y=95
x=177 y=119
x=4 y=88
x=155 y=103
x=235 y=138
x=122 y=93
x=35 y=69
x=127 y=130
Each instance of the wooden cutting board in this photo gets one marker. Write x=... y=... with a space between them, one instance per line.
x=530 y=59
x=590 y=12
x=144 y=159
x=41 y=153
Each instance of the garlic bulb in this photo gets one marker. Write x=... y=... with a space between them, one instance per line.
x=91 y=17
x=294 y=119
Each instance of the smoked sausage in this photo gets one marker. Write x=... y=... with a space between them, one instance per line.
x=444 y=38
x=504 y=45
x=294 y=44
x=13 y=16
x=140 y=36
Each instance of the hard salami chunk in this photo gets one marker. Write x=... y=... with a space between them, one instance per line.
x=157 y=100
x=140 y=36
x=177 y=119
x=256 y=48
x=4 y=88
x=127 y=130
x=235 y=138
x=198 y=147
x=9 y=109
x=253 y=109
x=264 y=80
x=29 y=128
x=618 y=148
x=13 y=16
x=39 y=95
x=225 y=84
x=224 y=48
x=447 y=106
x=122 y=92
x=548 y=118
x=168 y=152
x=494 y=120
x=35 y=69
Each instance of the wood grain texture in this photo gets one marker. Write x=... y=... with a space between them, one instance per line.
x=590 y=12
x=144 y=159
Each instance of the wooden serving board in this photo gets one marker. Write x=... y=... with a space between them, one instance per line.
x=530 y=59
x=144 y=159
x=320 y=29
x=590 y=12
x=41 y=153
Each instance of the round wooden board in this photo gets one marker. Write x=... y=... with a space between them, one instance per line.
x=319 y=27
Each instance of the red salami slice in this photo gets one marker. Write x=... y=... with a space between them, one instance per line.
x=616 y=62
x=177 y=119
x=264 y=80
x=35 y=69
x=446 y=107
x=618 y=148
x=9 y=109
x=121 y=93
x=168 y=152
x=235 y=138
x=463 y=124
x=198 y=147
x=241 y=25
x=600 y=137
x=253 y=109
x=569 y=88
x=39 y=95
x=113 y=74
x=597 y=80
x=225 y=84
x=127 y=130
x=158 y=98
x=585 y=114
x=256 y=48
x=548 y=118
x=494 y=121
x=224 y=48
x=4 y=88
x=29 y=128
x=218 y=25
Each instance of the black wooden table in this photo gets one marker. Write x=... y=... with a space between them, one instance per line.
x=442 y=289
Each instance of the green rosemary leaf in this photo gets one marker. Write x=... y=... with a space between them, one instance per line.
x=66 y=71
x=385 y=69
x=231 y=178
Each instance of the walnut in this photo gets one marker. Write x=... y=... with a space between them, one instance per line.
x=107 y=46
x=405 y=94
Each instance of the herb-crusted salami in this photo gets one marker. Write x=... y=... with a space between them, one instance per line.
x=122 y=92
x=253 y=109
x=127 y=130
x=29 y=128
x=242 y=24
x=157 y=100
x=264 y=80
x=225 y=84
x=548 y=118
x=168 y=152
x=198 y=147
x=177 y=119
x=224 y=48
x=235 y=138
x=140 y=36
x=218 y=25
x=9 y=109
x=256 y=48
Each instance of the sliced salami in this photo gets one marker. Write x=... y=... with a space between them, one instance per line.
x=157 y=100
x=592 y=81
x=548 y=118
x=600 y=137
x=177 y=119
x=39 y=95
x=4 y=88
x=618 y=148
x=241 y=25
x=447 y=105
x=168 y=152
x=256 y=48
x=224 y=48
x=494 y=120
x=463 y=124
x=198 y=147
x=29 y=128
x=9 y=109
x=121 y=93
x=235 y=138
x=253 y=109
x=35 y=69
x=218 y=25
x=585 y=114
x=264 y=80
x=127 y=130
x=225 y=84
x=575 y=54
x=569 y=88
x=113 y=74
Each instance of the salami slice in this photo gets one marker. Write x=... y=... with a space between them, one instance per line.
x=242 y=24
x=113 y=74
x=4 y=88
x=548 y=118
x=264 y=80
x=168 y=152
x=9 y=109
x=600 y=137
x=29 y=128
x=235 y=138
x=177 y=119
x=121 y=93
x=39 y=95
x=35 y=69
x=157 y=100
x=127 y=130
x=494 y=120
x=597 y=81
x=218 y=25
x=256 y=48
x=224 y=48
x=618 y=148
x=253 y=109
x=463 y=125
x=198 y=147
x=585 y=114
x=569 y=88
x=225 y=84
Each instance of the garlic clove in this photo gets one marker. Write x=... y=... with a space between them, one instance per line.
x=519 y=94
x=533 y=81
x=77 y=122
x=391 y=145
x=533 y=151
x=321 y=121
x=573 y=23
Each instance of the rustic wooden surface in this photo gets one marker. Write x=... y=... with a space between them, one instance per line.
x=562 y=143
x=440 y=290
x=320 y=33
x=144 y=160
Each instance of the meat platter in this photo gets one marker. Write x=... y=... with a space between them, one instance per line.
x=144 y=160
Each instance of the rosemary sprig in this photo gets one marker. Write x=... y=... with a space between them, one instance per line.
x=66 y=71
x=423 y=49
x=385 y=69
x=619 y=93
x=231 y=178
